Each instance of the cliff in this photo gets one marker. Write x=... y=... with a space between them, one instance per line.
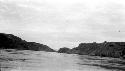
x=105 y=49
x=9 y=41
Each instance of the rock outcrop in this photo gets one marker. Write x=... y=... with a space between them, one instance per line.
x=63 y=50
x=9 y=41
x=105 y=49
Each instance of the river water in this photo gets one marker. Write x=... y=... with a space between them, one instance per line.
x=26 y=60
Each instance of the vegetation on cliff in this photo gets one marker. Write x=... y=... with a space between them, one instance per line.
x=9 y=41
x=105 y=49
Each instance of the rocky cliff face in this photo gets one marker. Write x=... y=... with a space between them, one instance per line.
x=106 y=49
x=9 y=41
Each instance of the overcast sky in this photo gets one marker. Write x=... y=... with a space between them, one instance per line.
x=64 y=23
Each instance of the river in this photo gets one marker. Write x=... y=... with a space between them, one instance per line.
x=26 y=60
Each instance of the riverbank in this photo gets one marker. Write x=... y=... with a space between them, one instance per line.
x=10 y=41
x=105 y=49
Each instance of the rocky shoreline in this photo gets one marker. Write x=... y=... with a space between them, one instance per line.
x=10 y=41
x=105 y=49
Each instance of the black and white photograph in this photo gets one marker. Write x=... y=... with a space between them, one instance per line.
x=62 y=35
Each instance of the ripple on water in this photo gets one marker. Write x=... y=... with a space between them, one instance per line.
x=13 y=60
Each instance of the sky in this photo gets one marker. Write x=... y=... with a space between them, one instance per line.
x=64 y=23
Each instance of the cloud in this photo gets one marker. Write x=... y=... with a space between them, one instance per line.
x=63 y=22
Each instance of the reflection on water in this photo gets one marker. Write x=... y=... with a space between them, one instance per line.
x=12 y=60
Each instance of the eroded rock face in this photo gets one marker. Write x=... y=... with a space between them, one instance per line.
x=9 y=41
x=105 y=49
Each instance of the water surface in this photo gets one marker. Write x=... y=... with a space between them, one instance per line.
x=26 y=60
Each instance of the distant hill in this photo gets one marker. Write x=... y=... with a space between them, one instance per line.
x=105 y=49
x=63 y=50
x=9 y=41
